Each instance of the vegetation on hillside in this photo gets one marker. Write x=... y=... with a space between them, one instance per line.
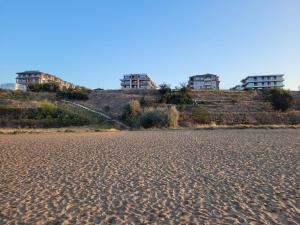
x=131 y=114
x=201 y=115
x=47 y=114
x=134 y=116
x=77 y=93
x=280 y=99
x=181 y=97
x=47 y=87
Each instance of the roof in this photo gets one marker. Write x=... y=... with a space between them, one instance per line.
x=204 y=75
x=30 y=71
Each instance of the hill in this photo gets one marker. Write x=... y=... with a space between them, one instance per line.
x=27 y=109
x=226 y=107
x=42 y=110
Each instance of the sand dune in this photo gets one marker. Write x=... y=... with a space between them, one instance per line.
x=151 y=177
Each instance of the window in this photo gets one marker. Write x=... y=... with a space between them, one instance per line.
x=255 y=83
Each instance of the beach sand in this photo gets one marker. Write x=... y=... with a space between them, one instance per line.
x=151 y=177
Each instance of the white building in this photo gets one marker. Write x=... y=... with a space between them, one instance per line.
x=205 y=81
x=263 y=81
x=137 y=81
x=13 y=86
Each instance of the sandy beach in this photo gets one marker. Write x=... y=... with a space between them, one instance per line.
x=151 y=177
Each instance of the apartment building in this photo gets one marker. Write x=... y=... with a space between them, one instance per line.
x=137 y=81
x=38 y=77
x=263 y=81
x=205 y=81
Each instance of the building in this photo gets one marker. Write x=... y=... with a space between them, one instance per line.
x=137 y=81
x=263 y=81
x=13 y=86
x=205 y=81
x=37 y=77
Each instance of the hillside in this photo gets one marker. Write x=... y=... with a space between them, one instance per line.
x=227 y=107
x=41 y=110
x=24 y=109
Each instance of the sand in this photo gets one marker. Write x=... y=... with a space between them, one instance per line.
x=151 y=177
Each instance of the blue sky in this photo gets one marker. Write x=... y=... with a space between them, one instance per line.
x=94 y=42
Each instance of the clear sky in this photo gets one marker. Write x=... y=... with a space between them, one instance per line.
x=93 y=42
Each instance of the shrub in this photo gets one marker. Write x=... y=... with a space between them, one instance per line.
x=185 y=88
x=48 y=87
x=164 y=89
x=201 y=115
x=131 y=113
x=147 y=101
x=80 y=94
x=48 y=110
x=280 y=99
x=177 y=98
x=172 y=117
x=134 y=107
x=153 y=118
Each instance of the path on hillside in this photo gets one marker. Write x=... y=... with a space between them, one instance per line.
x=98 y=113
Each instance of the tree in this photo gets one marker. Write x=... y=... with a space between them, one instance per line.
x=184 y=88
x=164 y=89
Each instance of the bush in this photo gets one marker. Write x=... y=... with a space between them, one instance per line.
x=185 y=88
x=153 y=118
x=177 y=98
x=280 y=99
x=147 y=101
x=48 y=87
x=78 y=94
x=131 y=113
x=172 y=117
x=134 y=107
x=201 y=115
x=164 y=89
x=48 y=110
